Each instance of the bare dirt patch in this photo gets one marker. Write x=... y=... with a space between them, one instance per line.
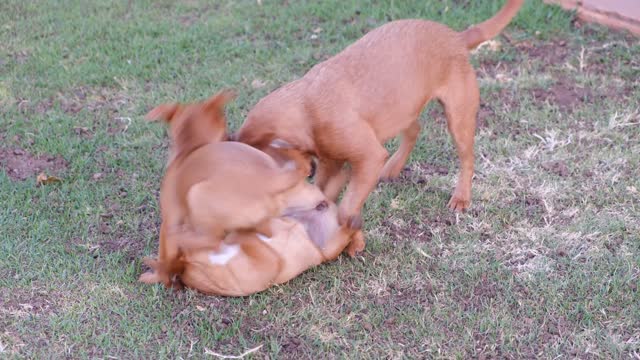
x=21 y=56
x=420 y=173
x=21 y=303
x=113 y=235
x=20 y=165
x=196 y=15
x=132 y=247
x=431 y=169
x=554 y=58
x=558 y=167
x=101 y=99
x=555 y=53
x=485 y=289
x=401 y=231
x=485 y=113
x=549 y=53
x=564 y=93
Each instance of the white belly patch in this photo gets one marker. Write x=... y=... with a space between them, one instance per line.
x=226 y=253
x=263 y=238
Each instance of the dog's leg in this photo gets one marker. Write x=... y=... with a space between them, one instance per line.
x=208 y=238
x=335 y=185
x=356 y=245
x=396 y=163
x=325 y=171
x=461 y=103
x=168 y=254
x=367 y=157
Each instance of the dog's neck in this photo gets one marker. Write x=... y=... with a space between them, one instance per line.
x=177 y=155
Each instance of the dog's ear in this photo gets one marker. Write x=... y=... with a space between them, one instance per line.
x=162 y=112
x=219 y=100
x=284 y=152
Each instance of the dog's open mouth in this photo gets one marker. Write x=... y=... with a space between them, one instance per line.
x=312 y=172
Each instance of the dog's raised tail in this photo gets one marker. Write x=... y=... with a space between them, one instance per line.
x=488 y=29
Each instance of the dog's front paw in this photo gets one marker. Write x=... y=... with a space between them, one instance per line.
x=346 y=218
x=354 y=222
x=389 y=175
x=149 y=277
x=459 y=202
x=356 y=245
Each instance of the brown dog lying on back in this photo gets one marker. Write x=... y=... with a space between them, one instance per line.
x=307 y=234
x=346 y=107
x=212 y=187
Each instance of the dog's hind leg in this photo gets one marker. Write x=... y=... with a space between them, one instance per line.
x=461 y=101
x=396 y=163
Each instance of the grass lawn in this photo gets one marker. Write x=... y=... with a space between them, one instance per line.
x=546 y=263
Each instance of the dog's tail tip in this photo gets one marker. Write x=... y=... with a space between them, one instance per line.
x=477 y=34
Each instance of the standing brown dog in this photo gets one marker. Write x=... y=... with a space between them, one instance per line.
x=346 y=107
x=212 y=186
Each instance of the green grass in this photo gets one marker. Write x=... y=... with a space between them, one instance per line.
x=546 y=263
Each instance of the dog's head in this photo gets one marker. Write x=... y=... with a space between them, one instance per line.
x=319 y=216
x=194 y=124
